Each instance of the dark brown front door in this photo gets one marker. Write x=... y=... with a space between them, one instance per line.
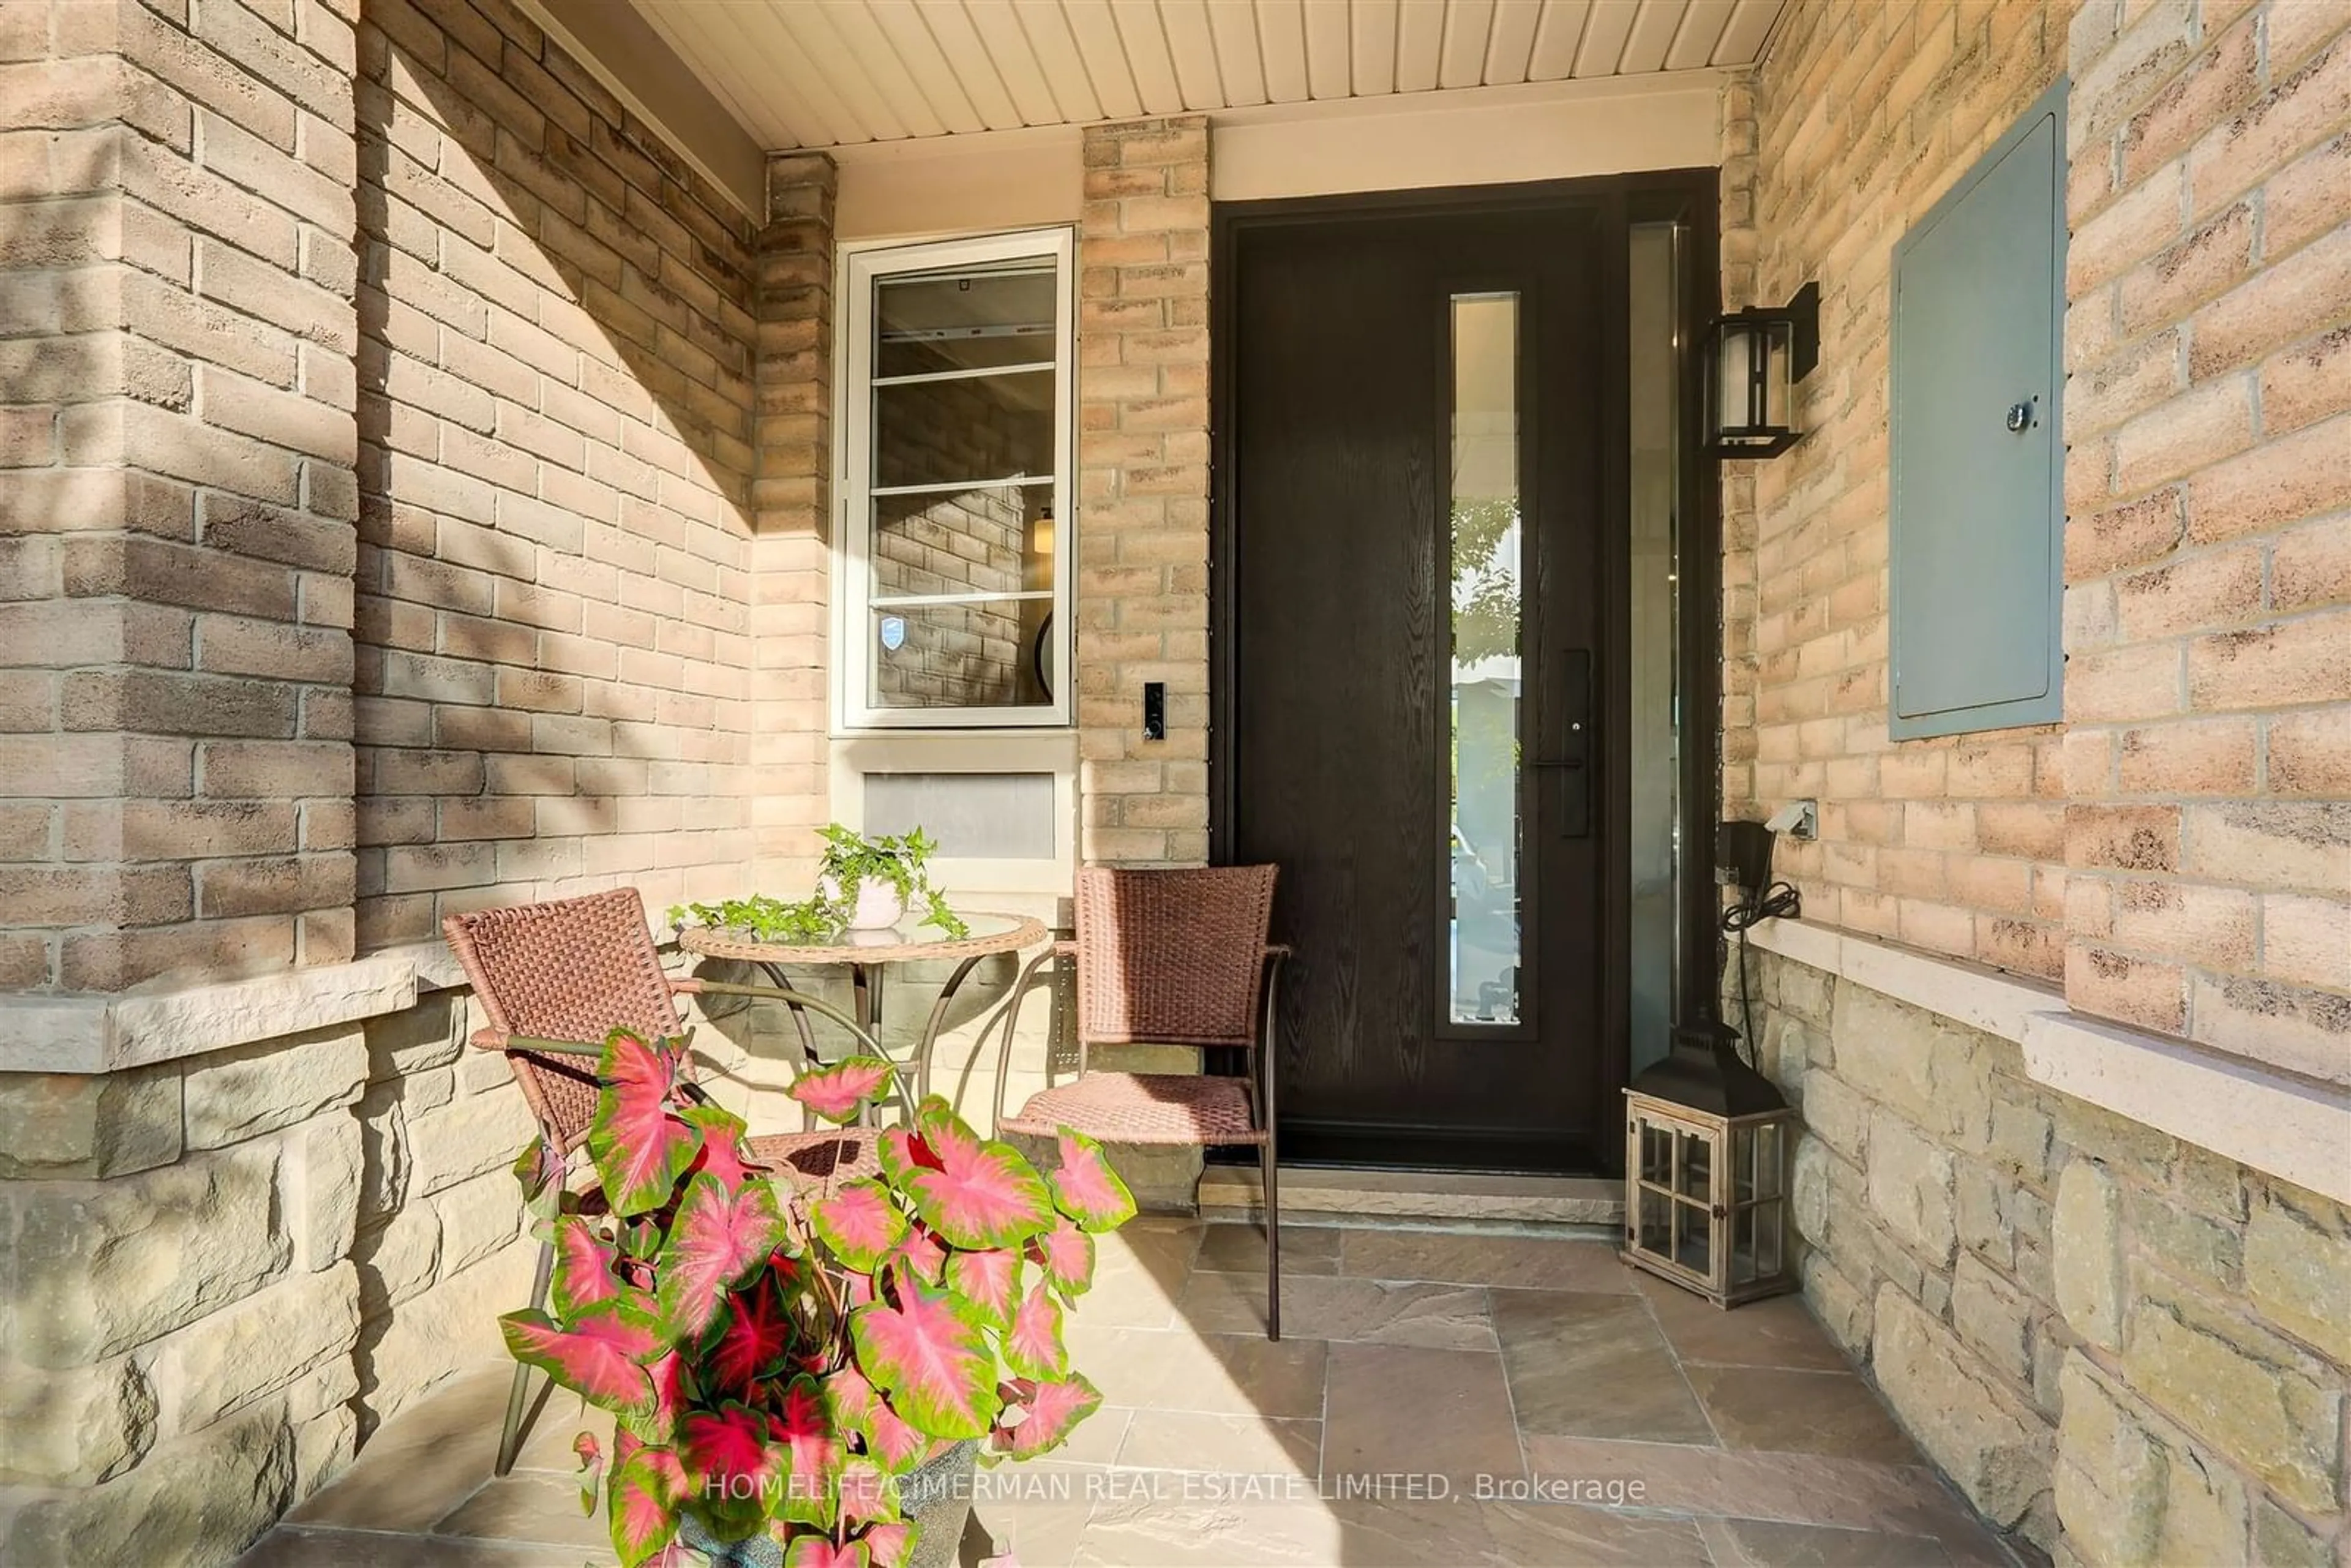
x=1416 y=587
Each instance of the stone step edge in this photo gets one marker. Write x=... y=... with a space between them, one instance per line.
x=1542 y=1200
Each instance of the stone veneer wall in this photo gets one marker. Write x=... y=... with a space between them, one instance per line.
x=2126 y=1348
x=226 y=1270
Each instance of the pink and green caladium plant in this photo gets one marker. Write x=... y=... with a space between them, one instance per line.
x=779 y=1358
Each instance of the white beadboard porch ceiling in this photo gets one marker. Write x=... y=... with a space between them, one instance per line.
x=830 y=73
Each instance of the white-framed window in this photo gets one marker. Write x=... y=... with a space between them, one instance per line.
x=954 y=474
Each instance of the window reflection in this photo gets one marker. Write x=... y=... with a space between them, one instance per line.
x=1487 y=551
x=964 y=404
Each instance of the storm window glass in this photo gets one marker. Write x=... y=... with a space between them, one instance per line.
x=955 y=483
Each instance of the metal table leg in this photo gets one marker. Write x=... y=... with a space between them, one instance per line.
x=866 y=993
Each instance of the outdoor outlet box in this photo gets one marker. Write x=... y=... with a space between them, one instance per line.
x=1797 y=819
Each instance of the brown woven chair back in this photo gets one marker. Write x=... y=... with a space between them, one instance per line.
x=573 y=969
x=1171 y=957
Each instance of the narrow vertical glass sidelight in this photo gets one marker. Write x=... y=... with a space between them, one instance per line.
x=1654 y=331
x=1485 y=552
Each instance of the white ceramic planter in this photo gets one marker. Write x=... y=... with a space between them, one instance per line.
x=879 y=907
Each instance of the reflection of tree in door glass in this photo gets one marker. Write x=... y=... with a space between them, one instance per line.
x=1485 y=678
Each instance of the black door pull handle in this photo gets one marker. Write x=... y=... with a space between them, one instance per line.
x=1574 y=761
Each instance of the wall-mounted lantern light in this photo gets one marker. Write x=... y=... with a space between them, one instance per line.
x=1755 y=359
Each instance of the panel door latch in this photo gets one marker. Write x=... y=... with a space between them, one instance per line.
x=2020 y=415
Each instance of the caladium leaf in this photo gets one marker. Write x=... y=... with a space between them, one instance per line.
x=1032 y=1346
x=640 y=1145
x=642 y=1504
x=599 y=1355
x=673 y=1392
x=920 y=1254
x=583 y=1268
x=753 y=1334
x=1051 y=1412
x=1067 y=1254
x=814 y=1451
x=934 y=1365
x=838 y=1092
x=858 y=1409
x=592 y=1469
x=866 y=1492
x=540 y=1171
x=989 y=1280
x=856 y=1290
x=733 y=1464
x=723 y=1154
x=859 y=1222
x=892 y=1543
x=1085 y=1188
x=819 y=1551
x=717 y=1238
x=983 y=1194
x=903 y=1153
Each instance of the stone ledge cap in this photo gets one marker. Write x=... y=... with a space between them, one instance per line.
x=1981 y=997
x=2291 y=1128
x=437 y=966
x=107 y=1034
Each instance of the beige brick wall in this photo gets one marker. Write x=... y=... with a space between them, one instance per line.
x=176 y=491
x=1143 y=475
x=2208 y=560
x=792 y=500
x=1861 y=119
x=555 y=671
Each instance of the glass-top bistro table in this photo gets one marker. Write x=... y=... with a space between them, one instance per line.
x=867 y=956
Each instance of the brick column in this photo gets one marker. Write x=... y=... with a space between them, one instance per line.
x=791 y=500
x=176 y=480
x=1143 y=475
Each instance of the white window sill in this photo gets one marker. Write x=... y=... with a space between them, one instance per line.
x=2287 y=1126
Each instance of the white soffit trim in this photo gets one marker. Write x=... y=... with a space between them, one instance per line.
x=1473 y=136
x=660 y=90
x=2290 y=1127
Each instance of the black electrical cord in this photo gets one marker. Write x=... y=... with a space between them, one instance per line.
x=1777 y=900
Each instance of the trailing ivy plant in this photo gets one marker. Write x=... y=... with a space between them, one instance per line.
x=777 y=1363
x=851 y=861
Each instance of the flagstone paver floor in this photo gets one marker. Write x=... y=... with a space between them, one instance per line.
x=1444 y=1396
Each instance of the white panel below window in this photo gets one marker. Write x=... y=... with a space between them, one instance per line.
x=972 y=816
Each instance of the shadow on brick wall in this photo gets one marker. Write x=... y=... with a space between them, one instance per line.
x=556 y=408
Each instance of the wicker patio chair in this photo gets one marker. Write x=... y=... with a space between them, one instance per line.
x=555 y=980
x=1172 y=957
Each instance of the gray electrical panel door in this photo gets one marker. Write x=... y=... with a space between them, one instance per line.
x=1978 y=443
